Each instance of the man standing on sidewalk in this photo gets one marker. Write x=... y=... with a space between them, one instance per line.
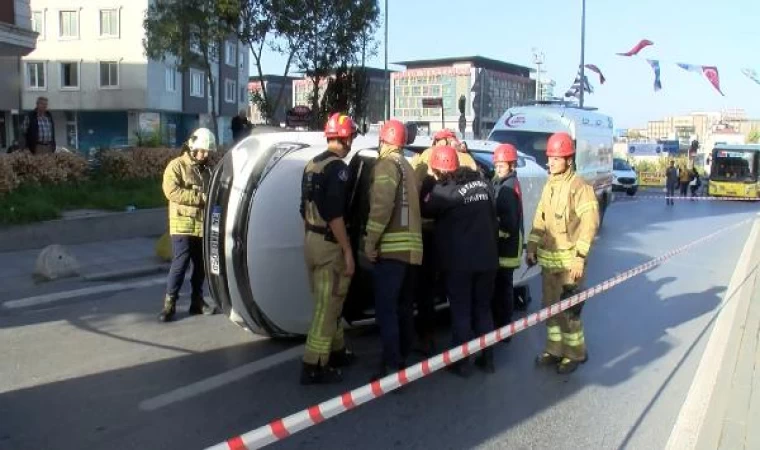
x=38 y=129
x=671 y=183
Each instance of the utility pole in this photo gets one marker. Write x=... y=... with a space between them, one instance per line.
x=583 y=53
x=387 y=84
x=538 y=60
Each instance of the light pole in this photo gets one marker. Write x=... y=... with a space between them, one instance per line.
x=387 y=84
x=583 y=53
x=538 y=60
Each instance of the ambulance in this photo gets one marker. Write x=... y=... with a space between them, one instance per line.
x=528 y=128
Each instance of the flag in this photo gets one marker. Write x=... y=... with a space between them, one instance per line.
x=711 y=73
x=752 y=74
x=575 y=89
x=595 y=69
x=690 y=67
x=637 y=48
x=656 y=67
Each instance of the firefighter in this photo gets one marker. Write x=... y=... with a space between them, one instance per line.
x=461 y=202
x=566 y=221
x=510 y=215
x=393 y=242
x=184 y=185
x=327 y=252
x=441 y=138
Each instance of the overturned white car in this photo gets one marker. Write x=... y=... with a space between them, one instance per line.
x=253 y=242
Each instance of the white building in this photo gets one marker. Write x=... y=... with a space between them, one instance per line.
x=103 y=91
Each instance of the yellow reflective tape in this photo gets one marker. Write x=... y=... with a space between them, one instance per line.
x=401 y=237
x=533 y=238
x=509 y=262
x=503 y=234
x=583 y=246
x=586 y=207
x=374 y=226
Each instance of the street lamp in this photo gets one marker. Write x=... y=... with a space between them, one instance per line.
x=387 y=84
x=583 y=53
x=538 y=60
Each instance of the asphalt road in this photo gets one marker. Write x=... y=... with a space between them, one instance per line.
x=100 y=372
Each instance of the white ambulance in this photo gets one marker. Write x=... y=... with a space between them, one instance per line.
x=529 y=127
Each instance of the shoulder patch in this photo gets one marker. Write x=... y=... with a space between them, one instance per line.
x=343 y=175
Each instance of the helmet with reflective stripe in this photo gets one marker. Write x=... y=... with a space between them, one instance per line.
x=560 y=145
x=340 y=126
x=393 y=132
x=444 y=134
x=504 y=153
x=444 y=158
x=202 y=139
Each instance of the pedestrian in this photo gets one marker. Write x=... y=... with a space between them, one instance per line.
x=510 y=216
x=185 y=184
x=461 y=202
x=695 y=182
x=393 y=242
x=564 y=227
x=38 y=129
x=327 y=252
x=684 y=177
x=671 y=183
x=240 y=126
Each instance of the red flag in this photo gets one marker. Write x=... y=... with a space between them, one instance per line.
x=642 y=43
x=593 y=68
x=711 y=73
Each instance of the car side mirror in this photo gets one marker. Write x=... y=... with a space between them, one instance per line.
x=411 y=132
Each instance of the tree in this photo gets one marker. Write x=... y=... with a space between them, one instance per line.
x=191 y=32
x=754 y=136
x=346 y=91
x=334 y=33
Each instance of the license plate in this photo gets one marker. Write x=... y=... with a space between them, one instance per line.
x=216 y=219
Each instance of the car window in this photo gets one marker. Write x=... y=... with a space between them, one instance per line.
x=620 y=164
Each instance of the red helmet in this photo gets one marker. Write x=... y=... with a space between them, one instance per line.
x=560 y=145
x=444 y=158
x=340 y=126
x=393 y=132
x=444 y=134
x=504 y=153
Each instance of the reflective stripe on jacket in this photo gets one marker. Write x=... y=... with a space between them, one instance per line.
x=566 y=221
x=509 y=213
x=183 y=185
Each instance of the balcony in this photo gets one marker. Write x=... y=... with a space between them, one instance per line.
x=16 y=41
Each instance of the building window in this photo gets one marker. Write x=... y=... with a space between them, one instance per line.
x=38 y=23
x=69 y=75
x=171 y=79
x=69 y=24
x=229 y=54
x=109 y=23
x=230 y=88
x=196 y=83
x=242 y=94
x=241 y=60
x=109 y=74
x=35 y=75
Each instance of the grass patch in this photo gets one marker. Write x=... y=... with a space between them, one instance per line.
x=36 y=203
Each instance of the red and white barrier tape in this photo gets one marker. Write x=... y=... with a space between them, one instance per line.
x=663 y=197
x=282 y=428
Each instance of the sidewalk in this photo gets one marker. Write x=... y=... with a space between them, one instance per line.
x=97 y=261
x=733 y=417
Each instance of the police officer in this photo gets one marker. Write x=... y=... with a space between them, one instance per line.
x=184 y=185
x=566 y=221
x=510 y=214
x=394 y=243
x=327 y=251
x=461 y=202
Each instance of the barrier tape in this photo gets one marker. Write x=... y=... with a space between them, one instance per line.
x=282 y=428
x=663 y=197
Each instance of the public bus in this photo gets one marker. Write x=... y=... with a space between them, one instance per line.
x=733 y=171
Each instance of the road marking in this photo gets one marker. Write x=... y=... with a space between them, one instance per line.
x=690 y=420
x=65 y=295
x=222 y=379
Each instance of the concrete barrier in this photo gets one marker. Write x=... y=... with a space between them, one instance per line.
x=81 y=230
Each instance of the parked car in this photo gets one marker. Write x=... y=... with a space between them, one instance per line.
x=624 y=178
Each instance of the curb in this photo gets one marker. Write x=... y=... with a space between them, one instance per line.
x=134 y=272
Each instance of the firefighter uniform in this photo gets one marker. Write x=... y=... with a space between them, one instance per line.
x=323 y=199
x=394 y=239
x=510 y=215
x=564 y=228
x=420 y=162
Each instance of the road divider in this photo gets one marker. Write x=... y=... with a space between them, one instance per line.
x=282 y=428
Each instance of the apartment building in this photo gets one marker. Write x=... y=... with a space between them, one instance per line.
x=104 y=92
x=16 y=40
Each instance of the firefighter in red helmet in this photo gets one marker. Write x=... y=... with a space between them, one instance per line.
x=327 y=251
x=564 y=227
x=510 y=215
x=393 y=242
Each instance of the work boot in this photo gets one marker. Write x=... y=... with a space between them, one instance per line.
x=342 y=358
x=167 y=313
x=316 y=374
x=547 y=359
x=568 y=365
x=485 y=361
x=198 y=306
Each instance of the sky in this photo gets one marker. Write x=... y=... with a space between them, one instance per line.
x=726 y=35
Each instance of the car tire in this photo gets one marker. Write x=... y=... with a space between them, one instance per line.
x=632 y=191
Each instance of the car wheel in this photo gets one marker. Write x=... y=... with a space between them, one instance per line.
x=631 y=191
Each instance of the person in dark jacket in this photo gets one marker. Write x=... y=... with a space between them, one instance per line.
x=38 y=129
x=510 y=215
x=240 y=126
x=461 y=202
x=671 y=183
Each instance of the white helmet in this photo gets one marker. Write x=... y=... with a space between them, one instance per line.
x=202 y=139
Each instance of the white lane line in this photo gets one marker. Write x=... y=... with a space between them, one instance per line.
x=65 y=295
x=222 y=379
x=690 y=420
